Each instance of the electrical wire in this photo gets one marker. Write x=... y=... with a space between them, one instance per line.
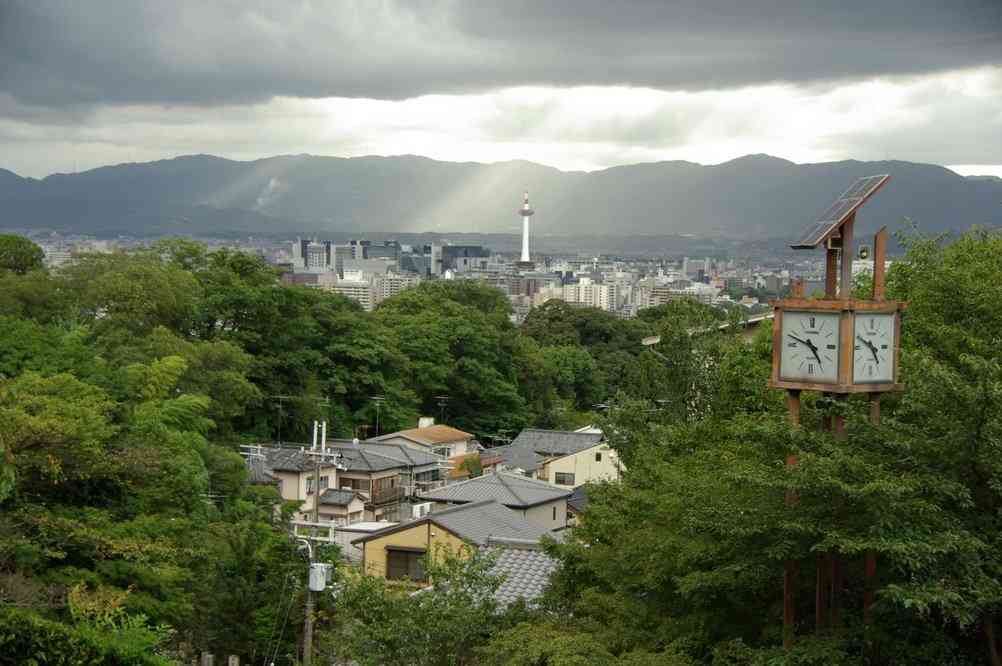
x=285 y=622
x=281 y=597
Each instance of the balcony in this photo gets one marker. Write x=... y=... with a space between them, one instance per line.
x=382 y=496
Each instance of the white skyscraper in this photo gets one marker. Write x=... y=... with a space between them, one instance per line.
x=526 y=212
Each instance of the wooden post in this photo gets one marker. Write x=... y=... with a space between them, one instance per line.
x=845 y=293
x=831 y=273
x=793 y=408
x=790 y=567
x=234 y=660
x=870 y=559
x=208 y=659
x=875 y=409
x=797 y=288
x=879 y=262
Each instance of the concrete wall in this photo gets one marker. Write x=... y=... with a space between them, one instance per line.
x=584 y=467
x=543 y=515
x=427 y=536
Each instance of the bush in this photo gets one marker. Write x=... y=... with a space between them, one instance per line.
x=30 y=640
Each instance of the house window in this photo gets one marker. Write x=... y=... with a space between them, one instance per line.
x=324 y=482
x=563 y=479
x=598 y=457
x=554 y=513
x=442 y=451
x=401 y=563
x=309 y=485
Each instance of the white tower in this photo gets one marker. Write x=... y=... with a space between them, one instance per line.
x=526 y=212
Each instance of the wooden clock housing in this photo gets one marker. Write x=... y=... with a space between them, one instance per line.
x=848 y=310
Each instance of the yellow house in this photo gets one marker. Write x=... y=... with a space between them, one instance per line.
x=563 y=458
x=397 y=552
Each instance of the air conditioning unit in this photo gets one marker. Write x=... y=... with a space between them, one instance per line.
x=420 y=510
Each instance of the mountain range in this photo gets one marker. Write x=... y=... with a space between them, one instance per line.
x=752 y=197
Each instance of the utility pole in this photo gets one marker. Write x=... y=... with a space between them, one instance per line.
x=308 y=619
x=319 y=455
x=442 y=401
x=378 y=399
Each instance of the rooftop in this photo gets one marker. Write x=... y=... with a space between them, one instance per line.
x=434 y=434
x=515 y=457
x=524 y=568
x=358 y=457
x=476 y=523
x=556 y=442
x=340 y=497
x=512 y=490
x=578 y=501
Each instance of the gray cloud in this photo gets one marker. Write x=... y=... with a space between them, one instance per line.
x=65 y=53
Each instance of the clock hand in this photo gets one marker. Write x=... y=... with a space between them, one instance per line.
x=803 y=342
x=814 y=350
x=872 y=347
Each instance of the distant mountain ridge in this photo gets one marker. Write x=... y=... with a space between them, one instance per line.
x=756 y=196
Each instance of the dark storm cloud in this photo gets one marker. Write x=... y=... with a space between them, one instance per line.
x=195 y=52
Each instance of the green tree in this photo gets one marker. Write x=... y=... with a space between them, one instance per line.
x=381 y=624
x=19 y=255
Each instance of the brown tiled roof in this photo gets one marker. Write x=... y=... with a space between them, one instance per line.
x=436 y=434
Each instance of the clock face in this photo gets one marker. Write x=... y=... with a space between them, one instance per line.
x=810 y=347
x=873 y=348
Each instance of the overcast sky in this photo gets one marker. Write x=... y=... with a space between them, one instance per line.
x=577 y=84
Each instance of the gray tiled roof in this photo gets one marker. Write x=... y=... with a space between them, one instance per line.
x=412 y=457
x=516 y=457
x=556 y=442
x=513 y=490
x=258 y=472
x=479 y=521
x=524 y=568
x=364 y=457
x=337 y=497
x=475 y=522
x=578 y=501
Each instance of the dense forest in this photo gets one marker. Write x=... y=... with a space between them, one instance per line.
x=129 y=533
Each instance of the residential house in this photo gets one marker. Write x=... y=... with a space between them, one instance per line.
x=442 y=440
x=564 y=458
x=540 y=503
x=383 y=476
x=397 y=552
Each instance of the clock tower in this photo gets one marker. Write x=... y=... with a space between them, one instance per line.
x=836 y=345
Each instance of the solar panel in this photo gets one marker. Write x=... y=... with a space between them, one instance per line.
x=840 y=210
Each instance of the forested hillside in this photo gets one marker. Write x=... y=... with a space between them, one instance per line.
x=129 y=533
x=755 y=196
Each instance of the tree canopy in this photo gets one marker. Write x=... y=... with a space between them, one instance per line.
x=129 y=532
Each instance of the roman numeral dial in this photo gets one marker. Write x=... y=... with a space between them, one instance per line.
x=873 y=354
x=810 y=346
